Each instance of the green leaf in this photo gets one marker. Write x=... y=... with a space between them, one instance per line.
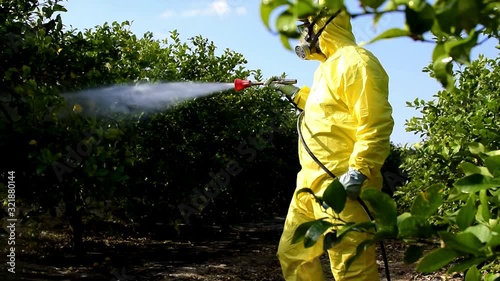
x=101 y=172
x=391 y=6
x=492 y=277
x=419 y=18
x=494 y=240
x=482 y=232
x=403 y=217
x=301 y=231
x=466 y=214
x=365 y=226
x=334 y=5
x=436 y=260
x=427 y=202
x=374 y=4
x=413 y=254
x=443 y=71
x=40 y=168
x=286 y=24
x=411 y=226
x=345 y=228
x=384 y=207
x=492 y=153
x=267 y=7
x=473 y=274
x=456 y=194
x=403 y=2
x=285 y=41
x=59 y=8
x=446 y=16
x=315 y=231
x=483 y=211
x=376 y=18
x=475 y=183
x=461 y=266
x=437 y=32
x=464 y=242
x=439 y=51
x=470 y=169
x=360 y=249
x=476 y=148
x=391 y=33
x=361 y=226
x=415 y=4
x=335 y=196
x=304 y=8
x=112 y=133
x=459 y=49
x=331 y=239
x=493 y=165
x=468 y=13
x=26 y=70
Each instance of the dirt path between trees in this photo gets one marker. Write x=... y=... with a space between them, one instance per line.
x=245 y=252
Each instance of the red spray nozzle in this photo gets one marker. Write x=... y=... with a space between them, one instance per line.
x=240 y=84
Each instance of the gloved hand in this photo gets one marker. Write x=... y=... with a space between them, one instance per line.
x=286 y=89
x=352 y=181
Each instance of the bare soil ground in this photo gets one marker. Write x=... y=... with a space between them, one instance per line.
x=245 y=252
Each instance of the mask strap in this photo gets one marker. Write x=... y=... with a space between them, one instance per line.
x=315 y=39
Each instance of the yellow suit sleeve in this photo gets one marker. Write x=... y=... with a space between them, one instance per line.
x=367 y=99
x=300 y=97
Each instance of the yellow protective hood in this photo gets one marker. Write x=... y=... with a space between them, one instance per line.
x=337 y=33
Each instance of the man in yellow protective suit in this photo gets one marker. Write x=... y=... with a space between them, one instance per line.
x=347 y=124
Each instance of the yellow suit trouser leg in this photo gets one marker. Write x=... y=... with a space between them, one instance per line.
x=297 y=262
x=364 y=268
x=303 y=264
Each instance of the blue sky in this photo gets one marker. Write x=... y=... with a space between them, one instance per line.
x=236 y=24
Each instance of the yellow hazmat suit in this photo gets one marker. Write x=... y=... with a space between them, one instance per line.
x=347 y=124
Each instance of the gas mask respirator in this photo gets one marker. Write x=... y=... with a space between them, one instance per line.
x=308 y=44
x=308 y=47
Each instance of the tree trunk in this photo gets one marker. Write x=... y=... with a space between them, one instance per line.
x=75 y=220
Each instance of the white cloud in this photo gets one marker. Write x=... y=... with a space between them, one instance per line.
x=220 y=7
x=241 y=10
x=191 y=13
x=216 y=8
x=167 y=14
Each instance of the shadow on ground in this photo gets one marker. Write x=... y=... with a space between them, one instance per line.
x=237 y=253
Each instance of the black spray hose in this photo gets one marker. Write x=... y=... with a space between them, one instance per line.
x=367 y=211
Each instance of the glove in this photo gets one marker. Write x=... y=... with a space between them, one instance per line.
x=352 y=181
x=288 y=90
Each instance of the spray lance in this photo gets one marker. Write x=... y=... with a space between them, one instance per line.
x=240 y=84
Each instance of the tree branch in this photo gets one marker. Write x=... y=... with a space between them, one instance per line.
x=374 y=13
